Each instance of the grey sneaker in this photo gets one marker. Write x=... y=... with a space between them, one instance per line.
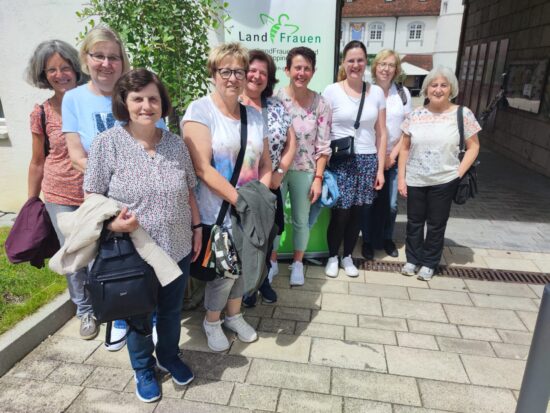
x=88 y=327
x=425 y=274
x=408 y=269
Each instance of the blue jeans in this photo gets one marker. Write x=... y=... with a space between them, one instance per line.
x=378 y=220
x=170 y=301
x=75 y=281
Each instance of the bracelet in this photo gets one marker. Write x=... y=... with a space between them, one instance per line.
x=197 y=226
x=318 y=177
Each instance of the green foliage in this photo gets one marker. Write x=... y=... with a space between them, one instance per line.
x=170 y=37
x=23 y=288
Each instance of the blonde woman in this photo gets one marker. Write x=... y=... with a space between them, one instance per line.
x=380 y=221
x=87 y=110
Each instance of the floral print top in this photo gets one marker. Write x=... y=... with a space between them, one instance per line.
x=312 y=128
x=433 y=155
x=278 y=121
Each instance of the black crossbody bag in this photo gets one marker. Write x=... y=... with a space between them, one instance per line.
x=343 y=148
x=467 y=187
x=207 y=267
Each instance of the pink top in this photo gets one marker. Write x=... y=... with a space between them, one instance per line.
x=62 y=184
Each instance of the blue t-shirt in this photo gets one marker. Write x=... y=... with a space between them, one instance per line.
x=88 y=114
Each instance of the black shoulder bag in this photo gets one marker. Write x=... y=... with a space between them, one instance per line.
x=209 y=265
x=467 y=187
x=343 y=148
x=46 y=138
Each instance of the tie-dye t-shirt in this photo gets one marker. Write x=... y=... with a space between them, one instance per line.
x=226 y=143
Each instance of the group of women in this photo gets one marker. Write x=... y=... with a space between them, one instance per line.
x=107 y=136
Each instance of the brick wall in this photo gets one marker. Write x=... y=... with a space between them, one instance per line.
x=519 y=135
x=381 y=8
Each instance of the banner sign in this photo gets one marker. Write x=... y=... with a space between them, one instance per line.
x=276 y=26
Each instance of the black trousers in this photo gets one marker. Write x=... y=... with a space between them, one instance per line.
x=344 y=226
x=428 y=206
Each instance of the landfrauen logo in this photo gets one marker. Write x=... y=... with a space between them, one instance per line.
x=281 y=30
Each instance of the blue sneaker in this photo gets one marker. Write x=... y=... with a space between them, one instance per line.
x=181 y=373
x=147 y=386
x=268 y=293
x=249 y=301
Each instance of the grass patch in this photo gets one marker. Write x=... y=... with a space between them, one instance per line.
x=24 y=288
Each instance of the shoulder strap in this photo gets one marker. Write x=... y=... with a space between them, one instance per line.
x=401 y=93
x=264 y=110
x=460 y=122
x=360 y=111
x=43 y=124
x=238 y=162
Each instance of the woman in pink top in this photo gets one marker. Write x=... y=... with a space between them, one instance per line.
x=55 y=66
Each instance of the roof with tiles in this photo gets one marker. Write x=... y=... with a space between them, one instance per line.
x=384 y=8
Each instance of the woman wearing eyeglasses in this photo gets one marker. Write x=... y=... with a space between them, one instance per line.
x=87 y=111
x=379 y=222
x=212 y=132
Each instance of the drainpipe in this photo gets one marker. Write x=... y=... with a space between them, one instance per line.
x=395 y=32
x=466 y=5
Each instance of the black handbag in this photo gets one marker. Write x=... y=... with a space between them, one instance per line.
x=120 y=283
x=205 y=268
x=467 y=186
x=343 y=148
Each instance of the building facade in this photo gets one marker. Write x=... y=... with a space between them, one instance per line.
x=513 y=38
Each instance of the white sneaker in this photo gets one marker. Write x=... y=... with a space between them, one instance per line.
x=408 y=269
x=425 y=273
x=273 y=271
x=331 y=269
x=217 y=341
x=244 y=331
x=118 y=331
x=348 y=266
x=297 y=273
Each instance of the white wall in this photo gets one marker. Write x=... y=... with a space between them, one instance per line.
x=448 y=33
x=24 y=24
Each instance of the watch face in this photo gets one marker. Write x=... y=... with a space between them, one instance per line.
x=280 y=170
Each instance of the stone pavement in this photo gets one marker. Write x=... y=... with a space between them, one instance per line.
x=380 y=343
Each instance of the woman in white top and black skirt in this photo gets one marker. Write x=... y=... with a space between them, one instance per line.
x=362 y=173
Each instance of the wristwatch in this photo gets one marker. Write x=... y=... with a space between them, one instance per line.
x=280 y=171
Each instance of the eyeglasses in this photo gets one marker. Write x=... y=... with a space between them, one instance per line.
x=64 y=70
x=100 y=58
x=385 y=65
x=226 y=73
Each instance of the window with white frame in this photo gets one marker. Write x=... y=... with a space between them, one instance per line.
x=416 y=31
x=376 y=31
x=357 y=31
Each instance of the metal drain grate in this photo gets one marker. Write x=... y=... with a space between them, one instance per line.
x=486 y=274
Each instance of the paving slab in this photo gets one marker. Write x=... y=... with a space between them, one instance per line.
x=325 y=285
x=528 y=318
x=271 y=346
x=299 y=298
x=390 y=278
x=215 y=366
x=410 y=409
x=33 y=368
x=320 y=330
x=440 y=296
x=294 y=376
x=274 y=325
x=480 y=333
x=515 y=337
x=379 y=290
x=415 y=310
x=175 y=405
x=500 y=288
x=25 y=395
x=250 y=396
x=512 y=264
x=109 y=378
x=351 y=304
x=370 y=335
x=502 y=301
x=332 y=317
x=383 y=323
x=294 y=401
x=447 y=283
x=365 y=406
x=465 y=346
x=416 y=340
x=209 y=391
x=102 y=357
x=296 y=314
x=436 y=329
x=65 y=349
x=465 y=398
x=511 y=351
x=347 y=354
x=70 y=373
x=375 y=386
x=483 y=317
x=497 y=372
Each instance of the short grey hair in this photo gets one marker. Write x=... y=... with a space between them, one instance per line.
x=35 y=73
x=442 y=71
